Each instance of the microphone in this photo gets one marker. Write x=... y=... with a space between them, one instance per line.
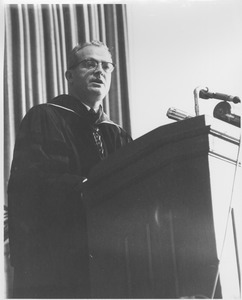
x=177 y=114
x=222 y=111
x=205 y=94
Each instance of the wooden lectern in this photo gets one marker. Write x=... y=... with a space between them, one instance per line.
x=163 y=217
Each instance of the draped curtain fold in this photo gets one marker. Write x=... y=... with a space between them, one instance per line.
x=38 y=38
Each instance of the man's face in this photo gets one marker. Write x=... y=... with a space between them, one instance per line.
x=90 y=84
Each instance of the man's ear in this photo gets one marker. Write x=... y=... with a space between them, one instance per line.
x=68 y=75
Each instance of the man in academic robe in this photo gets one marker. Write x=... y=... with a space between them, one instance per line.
x=57 y=145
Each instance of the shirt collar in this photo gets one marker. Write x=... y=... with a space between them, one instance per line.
x=88 y=107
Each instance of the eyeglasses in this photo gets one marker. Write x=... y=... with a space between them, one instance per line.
x=107 y=67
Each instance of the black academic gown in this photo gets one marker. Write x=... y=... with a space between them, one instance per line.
x=55 y=149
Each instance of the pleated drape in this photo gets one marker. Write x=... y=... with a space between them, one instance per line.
x=38 y=39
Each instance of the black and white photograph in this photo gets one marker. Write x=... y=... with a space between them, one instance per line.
x=121 y=149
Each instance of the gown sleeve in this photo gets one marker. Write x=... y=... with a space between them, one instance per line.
x=43 y=194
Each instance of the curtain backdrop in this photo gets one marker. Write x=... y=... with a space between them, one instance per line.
x=38 y=39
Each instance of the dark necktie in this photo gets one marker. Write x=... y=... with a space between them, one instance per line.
x=93 y=116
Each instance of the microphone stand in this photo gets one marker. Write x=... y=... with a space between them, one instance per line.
x=196 y=97
x=222 y=110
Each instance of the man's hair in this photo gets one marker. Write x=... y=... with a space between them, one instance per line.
x=73 y=58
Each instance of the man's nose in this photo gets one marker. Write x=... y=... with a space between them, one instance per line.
x=99 y=68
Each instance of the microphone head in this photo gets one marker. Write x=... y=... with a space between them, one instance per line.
x=204 y=94
x=236 y=99
x=221 y=109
